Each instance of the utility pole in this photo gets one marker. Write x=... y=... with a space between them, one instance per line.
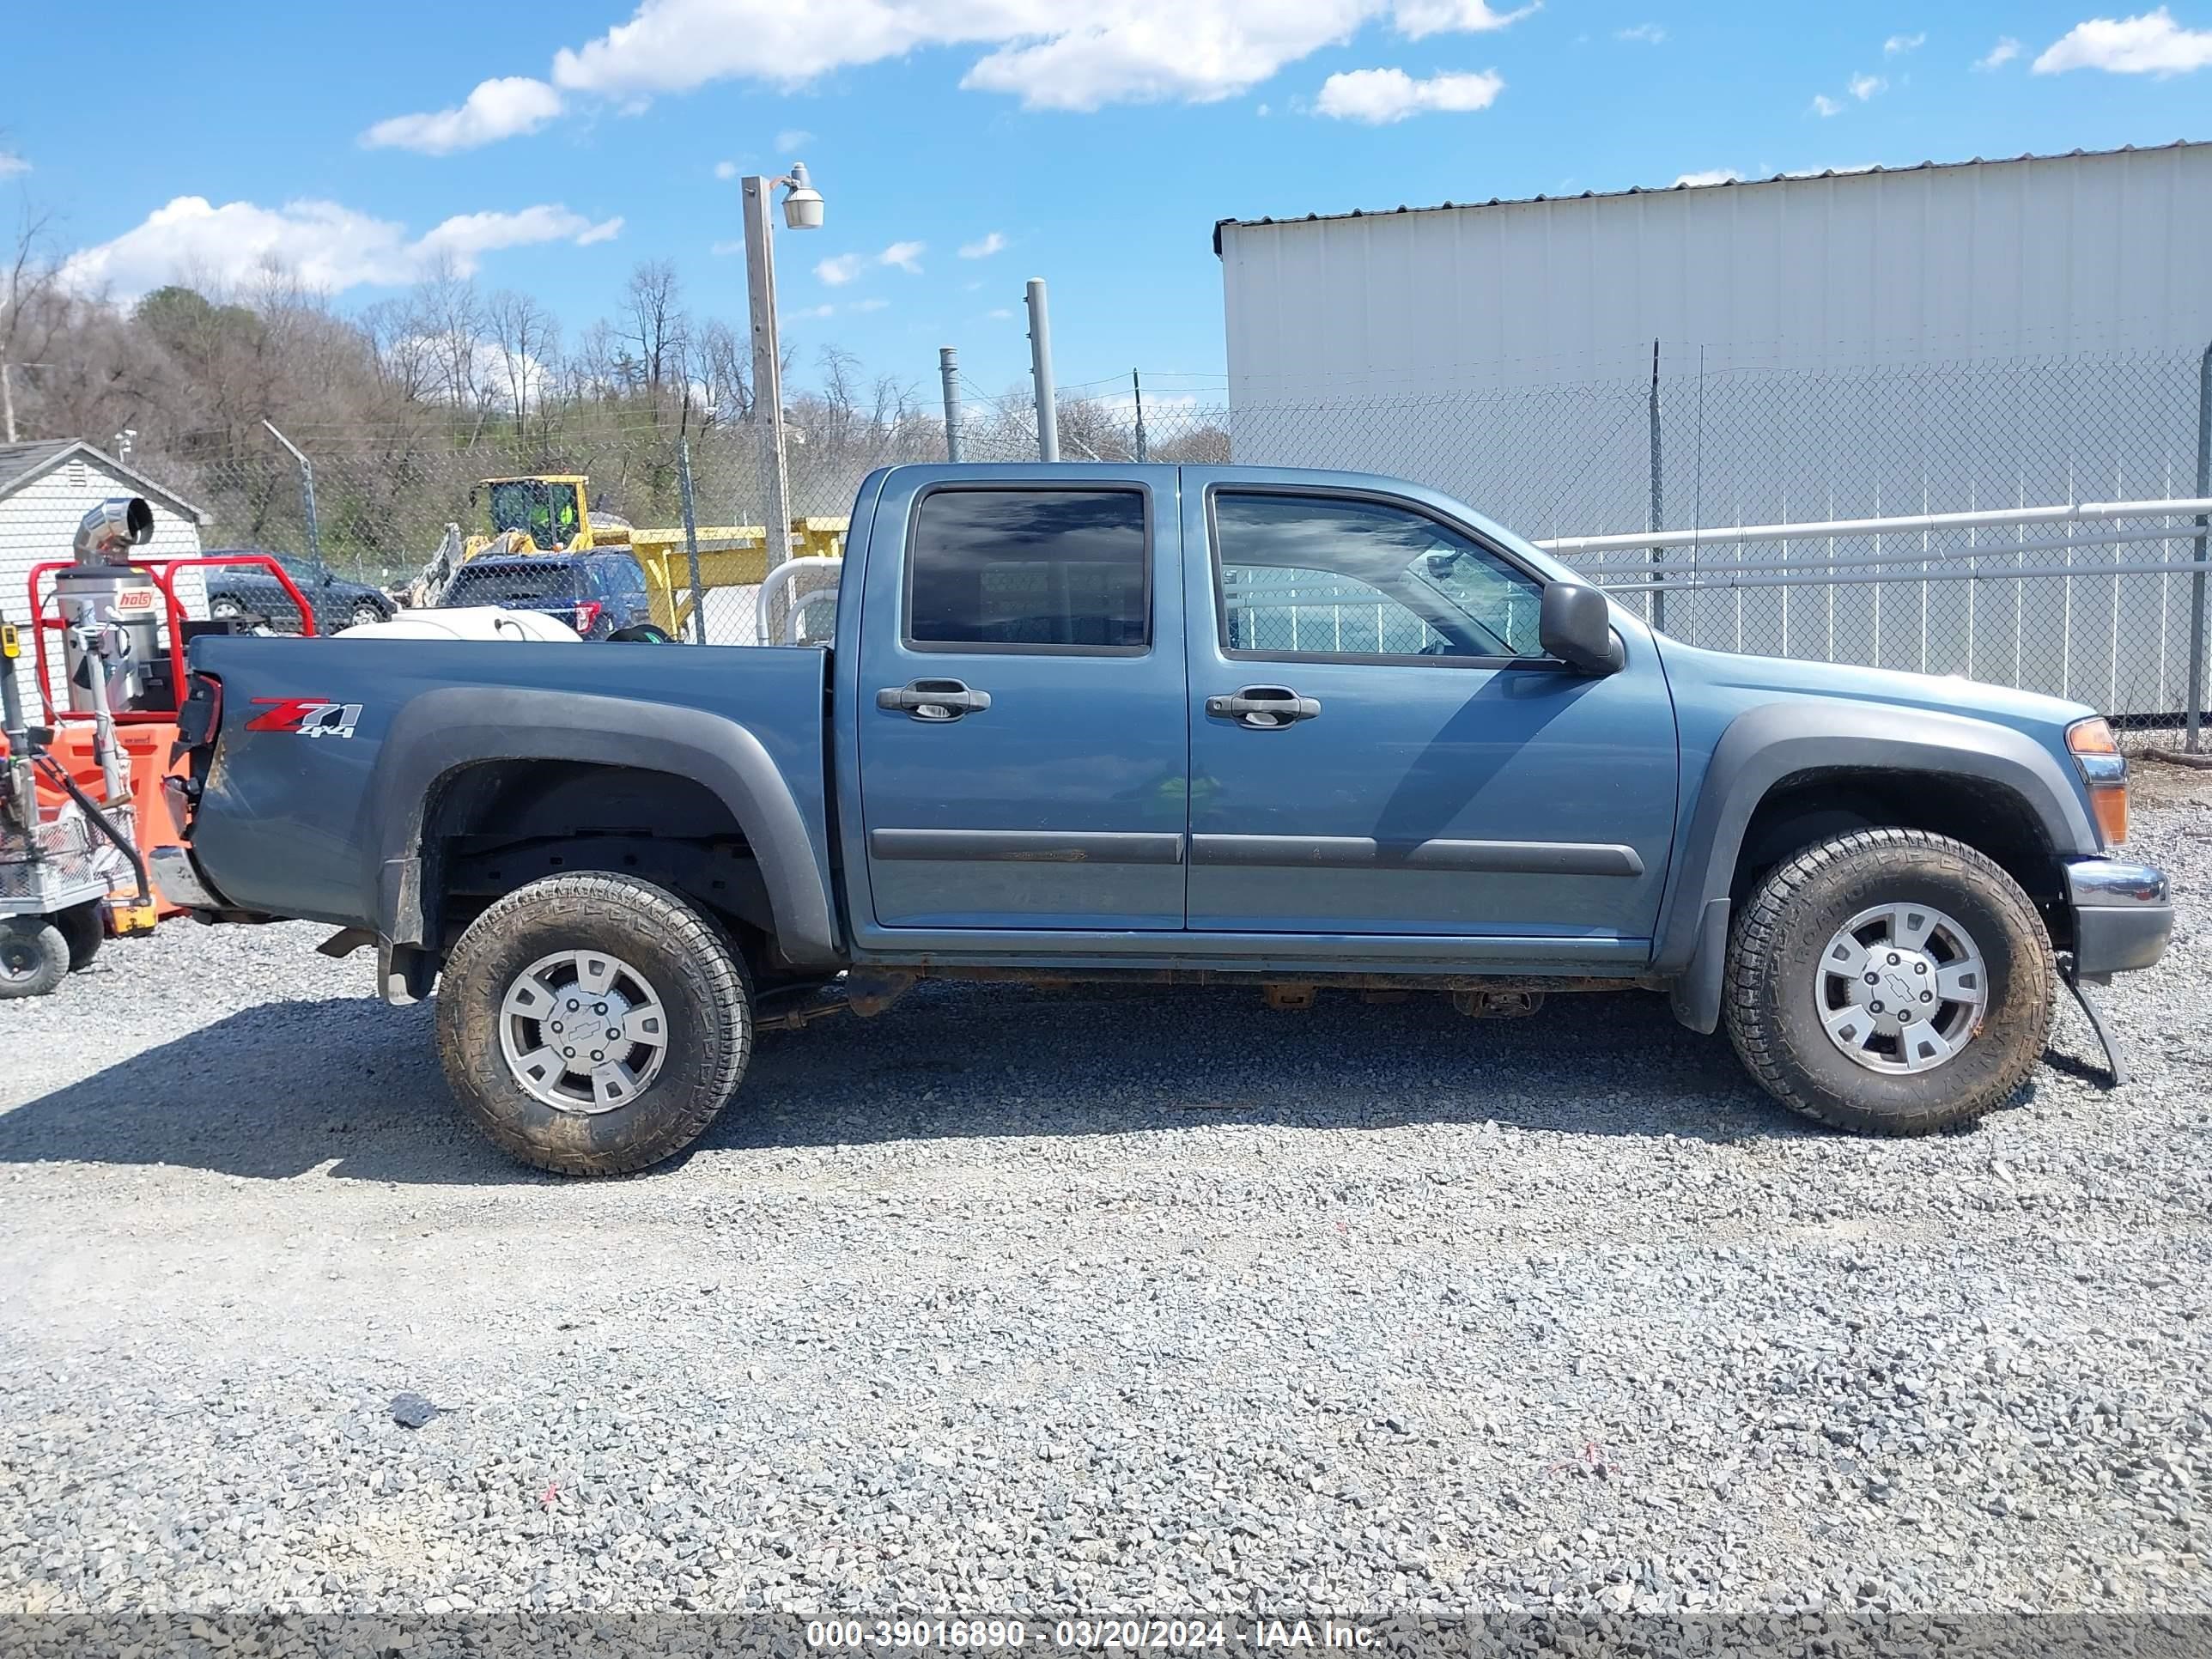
x=1137 y=385
x=768 y=367
x=7 y=403
x=948 y=370
x=1041 y=371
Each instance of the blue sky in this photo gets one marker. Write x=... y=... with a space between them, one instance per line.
x=1089 y=141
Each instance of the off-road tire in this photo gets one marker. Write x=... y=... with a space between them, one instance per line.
x=34 y=957
x=700 y=981
x=1774 y=950
x=83 y=931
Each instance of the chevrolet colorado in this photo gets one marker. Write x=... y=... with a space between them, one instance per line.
x=1298 y=729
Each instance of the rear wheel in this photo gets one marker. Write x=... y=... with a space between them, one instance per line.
x=1890 y=981
x=34 y=957
x=593 y=1023
x=83 y=932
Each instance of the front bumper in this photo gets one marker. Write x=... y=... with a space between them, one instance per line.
x=2122 y=916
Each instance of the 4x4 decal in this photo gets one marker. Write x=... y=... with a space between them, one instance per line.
x=310 y=717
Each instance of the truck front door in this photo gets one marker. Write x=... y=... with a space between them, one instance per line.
x=1380 y=746
x=1023 y=735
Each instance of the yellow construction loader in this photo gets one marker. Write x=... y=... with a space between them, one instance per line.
x=551 y=513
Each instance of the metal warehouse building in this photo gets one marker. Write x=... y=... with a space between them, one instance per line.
x=1945 y=336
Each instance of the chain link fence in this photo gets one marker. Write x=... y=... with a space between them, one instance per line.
x=1690 y=451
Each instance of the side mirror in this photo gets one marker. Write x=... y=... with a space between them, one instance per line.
x=1576 y=626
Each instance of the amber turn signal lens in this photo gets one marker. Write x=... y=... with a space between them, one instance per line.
x=2091 y=738
x=2110 y=802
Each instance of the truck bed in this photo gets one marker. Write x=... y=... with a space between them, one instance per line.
x=304 y=780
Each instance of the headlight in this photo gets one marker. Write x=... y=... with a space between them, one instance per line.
x=2097 y=753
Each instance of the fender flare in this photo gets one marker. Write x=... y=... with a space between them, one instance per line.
x=446 y=730
x=1765 y=747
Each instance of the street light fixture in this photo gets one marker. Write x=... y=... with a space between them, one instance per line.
x=802 y=210
x=802 y=203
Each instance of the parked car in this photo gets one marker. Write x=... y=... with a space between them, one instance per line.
x=252 y=594
x=596 y=593
x=1298 y=729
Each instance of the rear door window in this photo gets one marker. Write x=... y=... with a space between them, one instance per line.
x=1031 y=569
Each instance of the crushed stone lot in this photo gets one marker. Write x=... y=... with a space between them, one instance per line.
x=1034 y=1301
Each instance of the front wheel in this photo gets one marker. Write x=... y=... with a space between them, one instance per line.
x=34 y=957
x=593 y=1023
x=364 y=612
x=1890 y=981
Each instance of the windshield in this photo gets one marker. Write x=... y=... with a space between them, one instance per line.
x=544 y=512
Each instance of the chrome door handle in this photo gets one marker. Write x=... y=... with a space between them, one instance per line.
x=1265 y=708
x=933 y=701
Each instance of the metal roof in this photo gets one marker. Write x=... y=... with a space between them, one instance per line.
x=1220 y=225
x=22 y=464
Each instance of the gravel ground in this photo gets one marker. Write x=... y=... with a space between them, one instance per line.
x=1021 y=1300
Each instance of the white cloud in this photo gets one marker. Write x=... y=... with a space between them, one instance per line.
x=905 y=256
x=2003 y=52
x=2153 y=44
x=812 y=311
x=792 y=138
x=724 y=250
x=1899 y=45
x=868 y=305
x=327 y=246
x=984 y=249
x=1263 y=112
x=1379 y=96
x=1418 y=19
x=1864 y=86
x=1823 y=105
x=839 y=270
x=11 y=164
x=1710 y=176
x=497 y=109
x=1649 y=34
x=999 y=315
x=1050 y=54
x=725 y=169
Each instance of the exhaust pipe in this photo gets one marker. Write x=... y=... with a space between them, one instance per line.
x=116 y=525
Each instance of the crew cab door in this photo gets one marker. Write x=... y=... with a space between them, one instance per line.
x=1380 y=746
x=1023 y=738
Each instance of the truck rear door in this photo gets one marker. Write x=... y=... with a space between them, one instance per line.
x=1021 y=701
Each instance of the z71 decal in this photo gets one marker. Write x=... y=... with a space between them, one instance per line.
x=309 y=717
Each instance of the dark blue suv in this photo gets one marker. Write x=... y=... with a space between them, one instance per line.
x=595 y=593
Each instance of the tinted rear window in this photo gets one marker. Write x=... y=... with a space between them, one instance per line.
x=1050 y=568
x=511 y=584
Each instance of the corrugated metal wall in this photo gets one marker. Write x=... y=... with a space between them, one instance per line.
x=2062 y=256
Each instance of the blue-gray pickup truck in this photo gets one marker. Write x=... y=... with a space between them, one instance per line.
x=1296 y=729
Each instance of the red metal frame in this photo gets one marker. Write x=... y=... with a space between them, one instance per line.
x=164 y=575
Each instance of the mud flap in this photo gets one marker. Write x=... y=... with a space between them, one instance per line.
x=2116 y=1060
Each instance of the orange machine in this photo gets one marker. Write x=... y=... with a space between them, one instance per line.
x=122 y=630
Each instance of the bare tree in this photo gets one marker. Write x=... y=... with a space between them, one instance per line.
x=654 y=323
x=527 y=338
x=30 y=307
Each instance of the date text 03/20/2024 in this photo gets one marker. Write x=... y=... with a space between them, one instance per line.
x=1084 y=1635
